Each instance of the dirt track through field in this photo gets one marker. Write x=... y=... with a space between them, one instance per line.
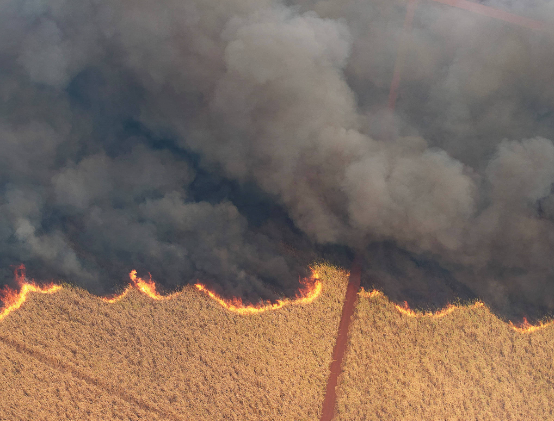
x=67 y=368
x=329 y=401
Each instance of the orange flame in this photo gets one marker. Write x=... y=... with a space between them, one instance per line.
x=13 y=300
x=370 y=294
x=405 y=309
x=146 y=287
x=525 y=327
x=116 y=298
x=308 y=294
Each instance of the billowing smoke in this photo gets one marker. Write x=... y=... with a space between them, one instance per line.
x=228 y=141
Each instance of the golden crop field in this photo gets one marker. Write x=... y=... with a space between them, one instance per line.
x=467 y=365
x=71 y=356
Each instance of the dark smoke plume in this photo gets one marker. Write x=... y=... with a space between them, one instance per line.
x=232 y=141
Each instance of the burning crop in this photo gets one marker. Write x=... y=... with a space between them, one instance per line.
x=464 y=364
x=527 y=327
x=180 y=358
x=147 y=287
x=312 y=289
x=405 y=309
x=13 y=300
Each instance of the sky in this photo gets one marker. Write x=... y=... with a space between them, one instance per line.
x=235 y=142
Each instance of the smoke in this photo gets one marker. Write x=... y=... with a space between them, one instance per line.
x=229 y=141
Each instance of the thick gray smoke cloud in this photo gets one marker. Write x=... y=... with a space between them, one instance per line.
x=103 y=104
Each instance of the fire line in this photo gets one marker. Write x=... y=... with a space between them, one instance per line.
x=405 y=309
x=306 y=295
x=311 y=290
x=148 y=288
x=12 y=300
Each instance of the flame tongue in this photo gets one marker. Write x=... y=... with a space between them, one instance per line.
x=146 y=287
x=13 y=300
